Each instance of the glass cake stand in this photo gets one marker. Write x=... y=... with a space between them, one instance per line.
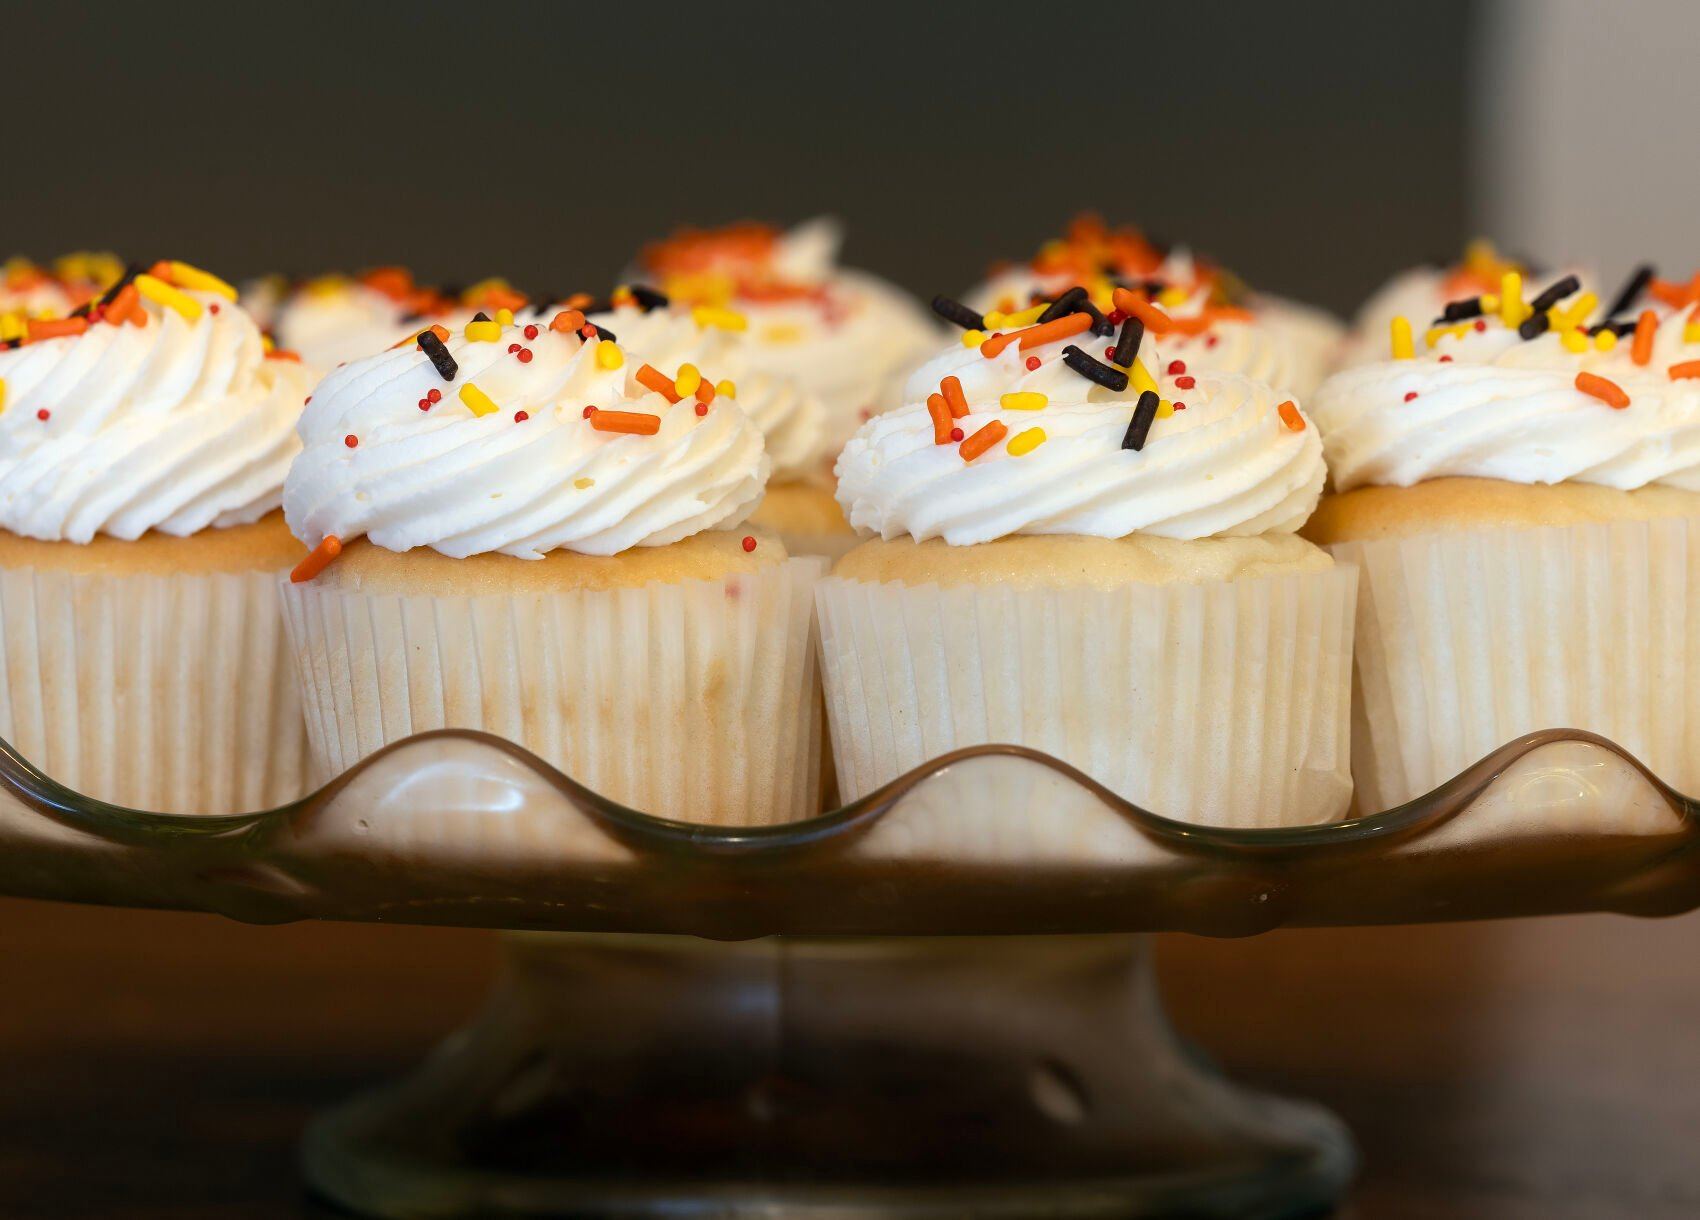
x=936 y=1001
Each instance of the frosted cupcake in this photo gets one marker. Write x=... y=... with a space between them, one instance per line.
x=334 y=319
x=1519 y=487
x=846 y=336
x=524 y=528
x=143 y=445
x=1076 y=555
x=1220 y=326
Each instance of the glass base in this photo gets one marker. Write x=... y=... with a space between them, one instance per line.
x=636 y=1076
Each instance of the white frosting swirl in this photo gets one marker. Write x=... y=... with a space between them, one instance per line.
x=1226 y=464
x=792 y=421
x=1487 y=404
x=464 y=484
x=173 y=426
x=333 y=321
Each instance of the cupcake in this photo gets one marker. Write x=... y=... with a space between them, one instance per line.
x=1518 y=486
x=1077 y=555
x=525 y=528
x=31 y=291
x=143 y=445
x=1221 y=326
x=334 y=319
x=845 y=336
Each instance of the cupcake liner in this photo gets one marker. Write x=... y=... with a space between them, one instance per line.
x=1223 y=703
x=1469 y=639
x=697 y=701
x=171 y=693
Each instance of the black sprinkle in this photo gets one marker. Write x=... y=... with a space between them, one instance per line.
x=1127 y=347
x=1636 y=285
x=1094 y=370
x=1534 y=325
x=433 y=347
x=481 y=316
x=958 y=314
x=1617 y=328
x=1140 y=426
x=1101 y=326
x=1554 y=293
x=1458 y=311
x=1063 y=305
x=647 y=298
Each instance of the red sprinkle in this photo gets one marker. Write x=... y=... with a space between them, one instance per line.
x=1115 y=317
x=351 y=440
x=524 y=355
x=424 y=404
x=434 y=395
x=521 y=416
x=1186 y=383
x=1410 y=394
x=956 y=434
x=42 y=414
x=512 y=348
x=1032 y=363
x=749 y=543
x=1481 y=324
x=530 y=332
x=213 y=308
x=1180 y=406
x=307 y=400
x=1446 y=359
x=1110 y=352
x=1177 y=366
x=589 y=411
x=702 y=409
x=1212 y=340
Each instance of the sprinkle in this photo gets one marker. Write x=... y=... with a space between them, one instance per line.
x=523 y=355
x=1608 y=392
x=43 y=414
x=530 y=332
x=123 y=302
x=1095 y=371
x=1290 y=416
x=477 y=401
x=1023 y=443
x=973 y=338
x=726 y=388
x=567 y=320
x=648 y=299
x=1459 y=311
x=424 y=404
x=318 y=559
x=351 y=440
x=55 y=328
x=701 y=409
x=1033 y=363
x=1533 y=326
x=1144 y=412
x=1127 y=345
x=705 y=391
x=582 y=483
x=504 y=317
x=956 y=434
x=958 y=314
x=483 y=332
x=1155 y=319
x=1552 y=294
x=1410 y=395
x=725 y=319
x=1512 y=309
x=688 y=380
x=1631 y=290
x=1165 y=408
x=1140 y=378
x=1574 y=341
x=1575 y=313
x=982 y=440
x=521 y=416
x=1025 y=400
x=637 y=423
x=434 y=394
x=2 y=393
x=589 y=411
x=431 y=344
x=1403 y=346
x=609 y=356
x=1641 y=349
x=1069 y=302
x=951 y=388
x=1016 y=321
x=1678 y=372
x=939 y=410
x=653 y=378
x=161 y=293
x=185 y=276
x=749 y=544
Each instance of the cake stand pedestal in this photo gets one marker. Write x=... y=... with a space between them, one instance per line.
x=934 y=1002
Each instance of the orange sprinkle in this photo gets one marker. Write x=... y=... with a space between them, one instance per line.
x=283 y=353
x=393 y=282
x=654 y=379
x=1688 y=368
x=939 y=409
x=1057 y=328
x=634 y=422
x=1136 y=306
x=995 y=344
x=982 y=440
x=951 y=388
x=55 y=328
x=497 y=297
x=318 y=559
x=1290 y=416
x=1641 y=350
x=1672 y=294
x=126 y=300
x=705 y=391
x=567 y=320
x=1608 y=392
x=162 y=271
x=139 y=318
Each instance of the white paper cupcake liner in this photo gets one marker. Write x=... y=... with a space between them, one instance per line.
x=1223 y=704
x=697 y=701
x=1469 y=639
x=172 y=694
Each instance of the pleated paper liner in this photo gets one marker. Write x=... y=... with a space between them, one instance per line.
x=1468 y=639
x=171 y=693
x=1223 y=703
x=697 y=700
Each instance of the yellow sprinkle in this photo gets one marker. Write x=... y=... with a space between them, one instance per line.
x=782 y=332
x=1574 y=341
x=1139 y=377
x=483 y=332
x=1172 y=296
x=504 y=317
x=1490 y=303
x=973 y=338
x=1512 y=308
x=201 y=281
x=12 y=326
x=161 y=293
x=1025 y=318
x=1026 y=442
x=609 y=355
x=1165 y=408
x=1403 y=348
x=725 y=319
x=477 y=401
x=1025 y=400
x=1690 y=332
x=1436 y=333
x=1573 y=315
x=267 y=345
x=2 y=394
x=1606 y=340
x=726 y=389
x=581 y=484
x=686 y=383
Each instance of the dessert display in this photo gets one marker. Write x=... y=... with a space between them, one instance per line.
x=1518 y=485
x=846 y=336
x=528 y=528
x=143 y=442
x=1218 y=324
x=1087 y=547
